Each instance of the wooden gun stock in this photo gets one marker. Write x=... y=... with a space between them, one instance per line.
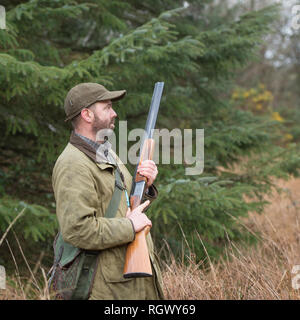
x=137 y=261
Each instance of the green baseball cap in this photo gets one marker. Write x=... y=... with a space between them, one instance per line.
x=84 y=95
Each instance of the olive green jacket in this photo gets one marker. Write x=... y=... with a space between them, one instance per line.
x=83 y=189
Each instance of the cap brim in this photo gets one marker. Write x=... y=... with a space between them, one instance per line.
x=112 y=95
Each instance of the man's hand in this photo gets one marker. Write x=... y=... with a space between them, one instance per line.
x=138 y=218
x=149 y=170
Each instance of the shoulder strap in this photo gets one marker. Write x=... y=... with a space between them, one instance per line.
x=113 y=206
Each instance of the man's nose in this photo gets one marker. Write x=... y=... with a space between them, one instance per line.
x=114 y=114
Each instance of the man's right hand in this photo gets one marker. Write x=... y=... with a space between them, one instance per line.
x=138 y=218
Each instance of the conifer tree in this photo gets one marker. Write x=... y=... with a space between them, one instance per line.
x=196 y=49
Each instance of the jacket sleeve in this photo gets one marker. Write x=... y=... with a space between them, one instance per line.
x=77 y=202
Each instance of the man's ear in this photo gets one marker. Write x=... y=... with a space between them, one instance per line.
x=87 y=115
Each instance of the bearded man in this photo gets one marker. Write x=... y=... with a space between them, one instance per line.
x=83 y=182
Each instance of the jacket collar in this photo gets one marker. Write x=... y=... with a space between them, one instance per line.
x=99 y=153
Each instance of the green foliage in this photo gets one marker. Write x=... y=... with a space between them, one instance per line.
x=36 y=223
x=205 y=206
x=49 y=46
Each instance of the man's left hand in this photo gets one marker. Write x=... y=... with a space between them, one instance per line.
x=149 y=170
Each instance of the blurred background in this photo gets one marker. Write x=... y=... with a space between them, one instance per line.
x=230 y=67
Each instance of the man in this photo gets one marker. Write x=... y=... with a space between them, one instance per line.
x=83 y=182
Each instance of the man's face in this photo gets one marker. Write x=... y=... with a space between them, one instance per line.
x=104 y=116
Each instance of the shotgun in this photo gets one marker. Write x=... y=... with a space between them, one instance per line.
x=137 y=261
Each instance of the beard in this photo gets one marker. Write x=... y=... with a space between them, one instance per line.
x=102 y=129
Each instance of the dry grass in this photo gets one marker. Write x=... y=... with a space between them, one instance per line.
x=261 y=272
x=18 y=288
